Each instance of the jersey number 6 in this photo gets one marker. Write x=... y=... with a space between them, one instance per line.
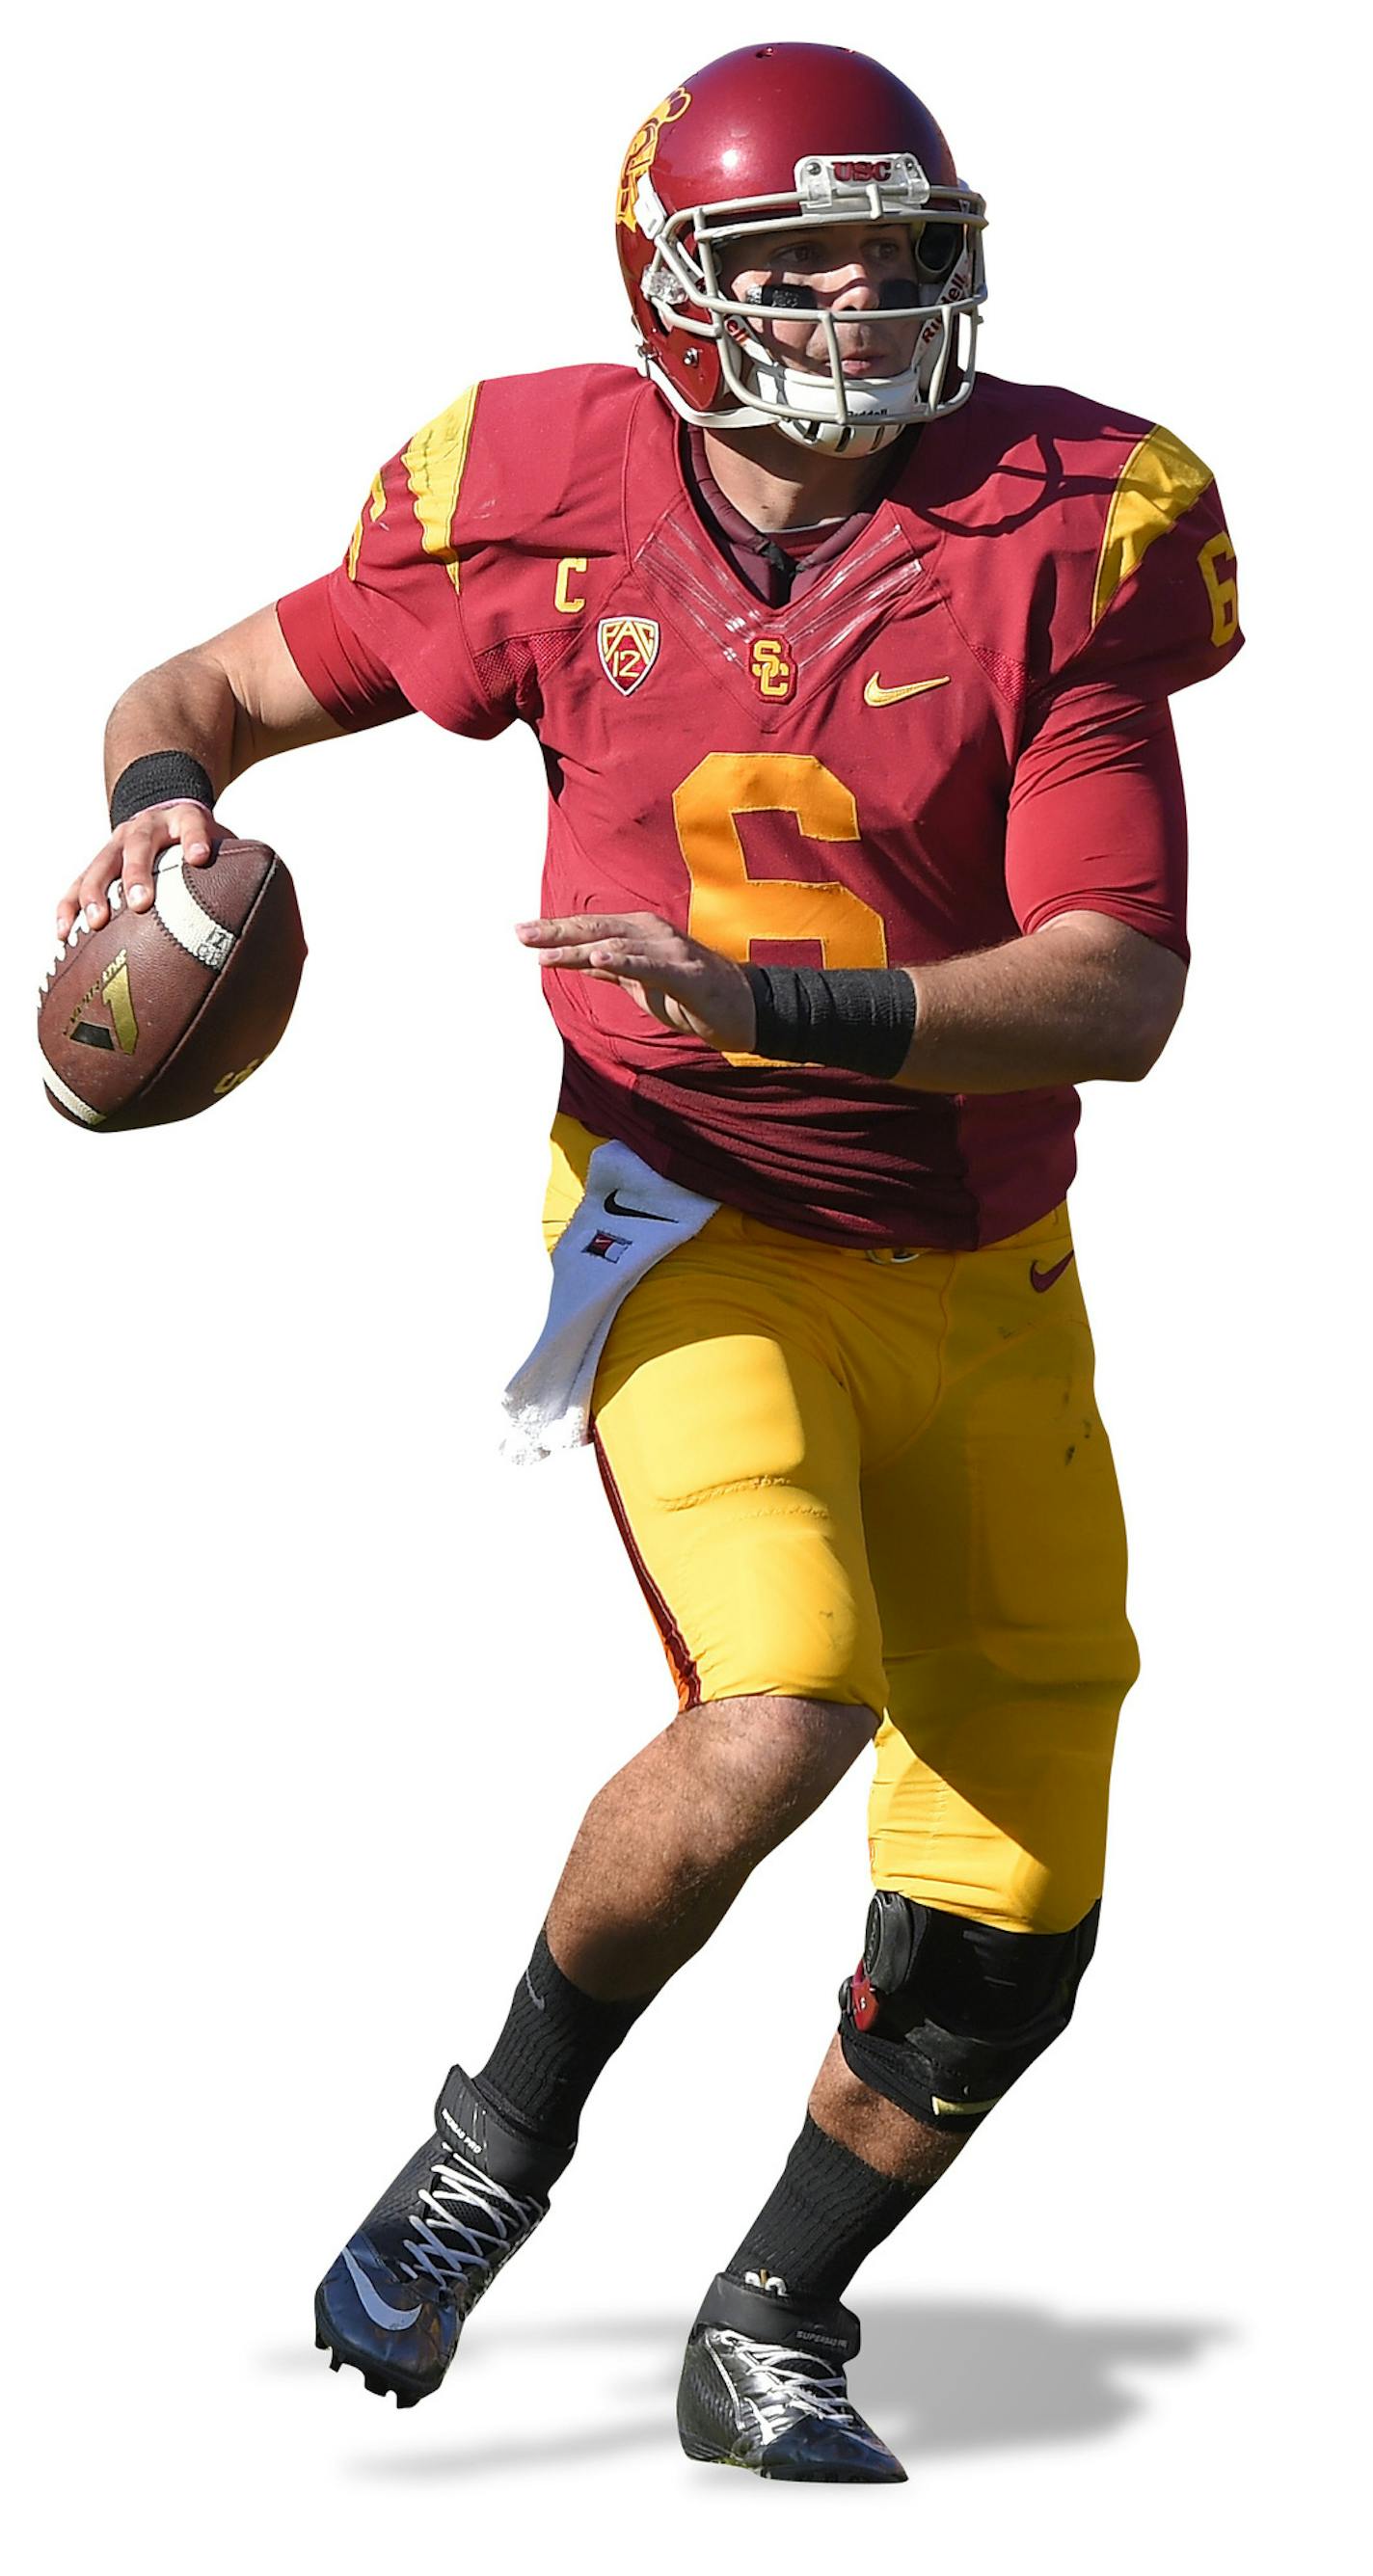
x=1221 y=589
x=729 y=908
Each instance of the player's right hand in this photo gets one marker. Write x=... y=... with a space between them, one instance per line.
x=129 y=854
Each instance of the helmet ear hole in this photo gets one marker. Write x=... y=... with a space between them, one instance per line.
x=936 y=252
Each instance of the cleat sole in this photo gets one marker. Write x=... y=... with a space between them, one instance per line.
x=372 y=2380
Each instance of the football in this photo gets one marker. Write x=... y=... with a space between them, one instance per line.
x=164 y=1012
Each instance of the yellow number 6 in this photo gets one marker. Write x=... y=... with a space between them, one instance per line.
x=1221 y=589
x=729 y=908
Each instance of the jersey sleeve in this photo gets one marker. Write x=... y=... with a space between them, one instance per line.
x=384 y=632
x=1154 y=607
x=1097 y=820
x=350 y=683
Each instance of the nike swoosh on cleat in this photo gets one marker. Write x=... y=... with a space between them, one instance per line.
x=874 y=695
x=1042 y=1279
x=374 y=2303
x=615 y=1206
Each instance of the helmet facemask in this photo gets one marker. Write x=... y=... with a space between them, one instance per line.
x=696 y=248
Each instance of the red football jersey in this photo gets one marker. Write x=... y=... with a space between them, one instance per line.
x=954 y=730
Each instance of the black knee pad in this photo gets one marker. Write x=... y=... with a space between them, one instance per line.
x=942 y=2015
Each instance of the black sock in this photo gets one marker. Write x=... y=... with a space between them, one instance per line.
x=555 y=2043
x=828 y=2211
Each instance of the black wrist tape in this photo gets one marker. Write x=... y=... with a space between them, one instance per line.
x=857 y=1019
x=155 y=780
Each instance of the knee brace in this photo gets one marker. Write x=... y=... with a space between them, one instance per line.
x=942 y=2014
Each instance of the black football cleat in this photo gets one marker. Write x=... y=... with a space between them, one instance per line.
x=763 y=2388
x=396 y=2300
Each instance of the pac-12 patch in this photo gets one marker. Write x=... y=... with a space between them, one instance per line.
x=628 y=647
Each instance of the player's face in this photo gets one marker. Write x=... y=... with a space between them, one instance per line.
x=848 y=272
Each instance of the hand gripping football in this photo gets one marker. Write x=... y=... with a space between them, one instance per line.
x=163 y=1012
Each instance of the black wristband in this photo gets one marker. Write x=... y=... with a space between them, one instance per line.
x=856 y=1019
x=154 y=780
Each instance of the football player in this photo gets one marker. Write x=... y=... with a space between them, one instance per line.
x=849 y=665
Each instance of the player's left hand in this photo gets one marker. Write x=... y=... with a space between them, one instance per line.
x=684 y=985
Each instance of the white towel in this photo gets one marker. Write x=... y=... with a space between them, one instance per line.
x=628 y=1220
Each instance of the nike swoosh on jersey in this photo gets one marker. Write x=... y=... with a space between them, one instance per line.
x=614 y=1206
x=874 y=695
x=1042 y=1279
x=373 y=2302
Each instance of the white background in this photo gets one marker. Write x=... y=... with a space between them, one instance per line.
x=306 y=1692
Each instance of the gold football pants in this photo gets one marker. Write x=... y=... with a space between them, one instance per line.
x=882 y=1478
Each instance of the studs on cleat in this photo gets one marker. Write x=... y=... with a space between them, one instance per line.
x=374 y=2386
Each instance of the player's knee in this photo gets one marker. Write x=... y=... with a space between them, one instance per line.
x=943 y=2014
x=751 y=1766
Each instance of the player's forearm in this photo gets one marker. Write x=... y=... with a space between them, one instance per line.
x=185 y=705
x=1064 y=1006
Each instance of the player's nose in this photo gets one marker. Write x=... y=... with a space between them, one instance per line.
x=855 y=289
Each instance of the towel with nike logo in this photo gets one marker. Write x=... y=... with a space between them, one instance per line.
x=628 y=1220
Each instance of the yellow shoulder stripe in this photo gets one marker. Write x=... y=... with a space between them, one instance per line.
x=378 y=505
x=435 y=462
x=1159 y=480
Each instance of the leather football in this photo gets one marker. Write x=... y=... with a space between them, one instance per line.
x=164 y=1012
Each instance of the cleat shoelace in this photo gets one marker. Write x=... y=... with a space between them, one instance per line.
x=790 y=2383
x=450 y=2243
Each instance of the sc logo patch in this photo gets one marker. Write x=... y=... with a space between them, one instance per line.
x=771 y=667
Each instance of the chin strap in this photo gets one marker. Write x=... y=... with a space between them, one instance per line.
x=783 y=567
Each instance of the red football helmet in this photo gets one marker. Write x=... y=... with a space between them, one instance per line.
x=775 y=136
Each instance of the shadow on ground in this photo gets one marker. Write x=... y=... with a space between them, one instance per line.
x=936 y=2378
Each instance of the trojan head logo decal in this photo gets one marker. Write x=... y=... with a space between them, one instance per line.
x=642 y=150
x=628 y=647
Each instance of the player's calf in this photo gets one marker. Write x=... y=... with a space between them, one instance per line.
x=666 y=1845
x=937 y=2022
